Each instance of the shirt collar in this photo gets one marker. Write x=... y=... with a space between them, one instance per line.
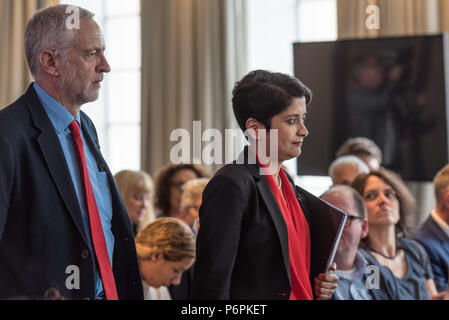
x=59 y=116
x=441 y=223
x=360 y=264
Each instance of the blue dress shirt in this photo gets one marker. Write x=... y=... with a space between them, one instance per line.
x=61 y=119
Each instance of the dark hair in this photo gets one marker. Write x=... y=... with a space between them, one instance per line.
x=162 y=183
x=360 y=146
x=407 y=203
x=262 y=95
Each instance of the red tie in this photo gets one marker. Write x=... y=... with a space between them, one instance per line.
x=96 y=229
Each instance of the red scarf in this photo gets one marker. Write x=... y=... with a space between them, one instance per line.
x=298 y=237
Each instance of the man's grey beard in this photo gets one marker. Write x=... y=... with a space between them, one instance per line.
x=78 y=96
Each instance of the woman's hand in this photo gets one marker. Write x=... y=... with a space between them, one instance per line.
x=325 y=284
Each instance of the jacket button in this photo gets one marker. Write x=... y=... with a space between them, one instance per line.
x=85 y=254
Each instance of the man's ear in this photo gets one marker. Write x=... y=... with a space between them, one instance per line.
x=253 y=126
x=364 y=232
x=444 y=204
x=50 y=63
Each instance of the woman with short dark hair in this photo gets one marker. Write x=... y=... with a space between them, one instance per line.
x=254 y=239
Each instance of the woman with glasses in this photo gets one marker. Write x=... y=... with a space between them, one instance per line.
x=169 y=181
x=389 y=203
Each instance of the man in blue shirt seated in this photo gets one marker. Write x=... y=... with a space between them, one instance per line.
x=63 y=225
x=434 y=233
x=357 y=279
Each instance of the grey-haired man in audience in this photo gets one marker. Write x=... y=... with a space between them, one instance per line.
x=357 y=280
x=343 y=170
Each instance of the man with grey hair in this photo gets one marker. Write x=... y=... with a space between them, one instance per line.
x=434 y=233
x=353 y=271
x=344 y=169
x=63 y=225
x=363 y=148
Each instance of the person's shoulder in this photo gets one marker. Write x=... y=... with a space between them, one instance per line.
x=232 y=176
x=413 y=247
x=14 y=119
x=423 y=231
x=234 y=171
x=409 y=243
x=14 y=111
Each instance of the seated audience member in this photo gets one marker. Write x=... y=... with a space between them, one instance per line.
x=190 y=204
x=137 y=190
x=191 y=200
x=389 y=203
x=352 y=267
x=165 y=248
x=363 y=148
x=169 y=181
x=344 y=169
x=434 y=233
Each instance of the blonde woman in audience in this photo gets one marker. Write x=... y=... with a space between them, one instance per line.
x=137 y=191
x=169 y=181
x=191 y=201
x=389 y=203
x=165 y=249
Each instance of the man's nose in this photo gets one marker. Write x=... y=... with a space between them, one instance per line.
x=103 y=66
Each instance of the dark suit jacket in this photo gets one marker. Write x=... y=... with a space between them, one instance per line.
x=41 y=228
x=436 y=243
x=242 y=245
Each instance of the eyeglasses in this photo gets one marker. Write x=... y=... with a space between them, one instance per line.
x=349 y=220
x=372 y=195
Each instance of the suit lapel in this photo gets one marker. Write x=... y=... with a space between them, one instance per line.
x=273 y=209
x=55 y=159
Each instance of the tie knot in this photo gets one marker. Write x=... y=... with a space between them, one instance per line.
x=75 y=128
